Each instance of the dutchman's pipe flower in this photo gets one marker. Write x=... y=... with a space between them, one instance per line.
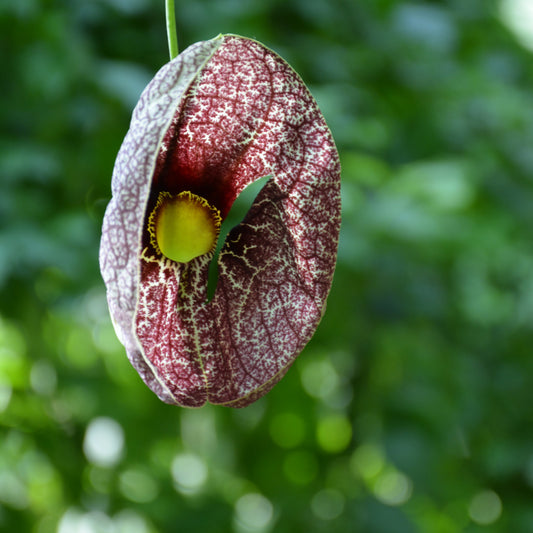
x=221 y=115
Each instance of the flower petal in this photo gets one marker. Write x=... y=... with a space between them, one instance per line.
x=223 y=114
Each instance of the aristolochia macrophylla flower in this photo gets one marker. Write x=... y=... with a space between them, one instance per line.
x=223 y=114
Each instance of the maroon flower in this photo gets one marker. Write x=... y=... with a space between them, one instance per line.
x=223 y=114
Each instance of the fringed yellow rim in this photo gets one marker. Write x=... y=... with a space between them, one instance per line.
x=184 y=226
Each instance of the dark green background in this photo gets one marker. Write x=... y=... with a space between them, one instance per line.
x=411 y=408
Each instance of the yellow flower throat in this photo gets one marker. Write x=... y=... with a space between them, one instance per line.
x=184 y=226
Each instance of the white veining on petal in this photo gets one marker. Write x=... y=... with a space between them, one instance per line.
x=122 y=226
x=247 y=114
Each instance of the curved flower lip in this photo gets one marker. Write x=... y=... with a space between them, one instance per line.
x=222 y=114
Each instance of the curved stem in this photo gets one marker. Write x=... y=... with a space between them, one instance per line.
x=171 y=28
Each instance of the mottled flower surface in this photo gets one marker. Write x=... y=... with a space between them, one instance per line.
x=221 y=115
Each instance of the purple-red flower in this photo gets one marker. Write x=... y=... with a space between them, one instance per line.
x=221 y=115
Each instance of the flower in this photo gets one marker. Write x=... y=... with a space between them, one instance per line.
x=221 y=115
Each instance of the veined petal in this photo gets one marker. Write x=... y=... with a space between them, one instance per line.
x=221 y=115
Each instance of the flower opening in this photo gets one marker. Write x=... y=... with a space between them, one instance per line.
x=184 y=226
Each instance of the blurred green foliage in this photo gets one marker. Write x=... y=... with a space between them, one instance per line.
x=410 y=410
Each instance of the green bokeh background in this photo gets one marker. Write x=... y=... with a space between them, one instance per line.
x=410 y=411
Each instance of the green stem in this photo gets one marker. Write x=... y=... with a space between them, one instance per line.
x=171 y=28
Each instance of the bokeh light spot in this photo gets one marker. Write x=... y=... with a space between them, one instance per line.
x=392 y=487
x=5 y=396
x=129 y=521
x=253 y=512
x=189 y=472
x=137 y=486
x=319 y=378
x=43 y=378
x=367 y=461
x=485 y=508
x=125 y=521
x=334 y=433
x=13 y=491
x=13 y=363
x=73 y=521
x=327 y=504
x=103 y=444
x=517 y=15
